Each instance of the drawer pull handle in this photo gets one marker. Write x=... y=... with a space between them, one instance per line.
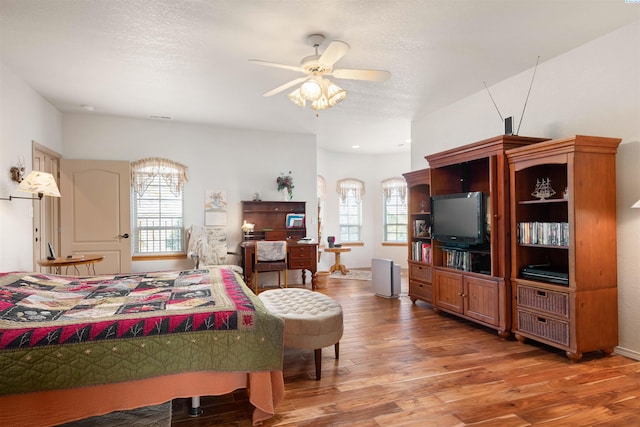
x=542 y=294
x=541 y=319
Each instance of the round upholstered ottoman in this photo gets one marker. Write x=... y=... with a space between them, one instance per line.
x=311 y=320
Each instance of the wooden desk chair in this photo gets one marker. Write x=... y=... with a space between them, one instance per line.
x=270 y=256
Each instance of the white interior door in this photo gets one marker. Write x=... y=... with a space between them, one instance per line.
x=95 y=212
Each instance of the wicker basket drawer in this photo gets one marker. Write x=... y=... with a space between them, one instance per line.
x=420 y=272
x=544 y=327
x=543 y=299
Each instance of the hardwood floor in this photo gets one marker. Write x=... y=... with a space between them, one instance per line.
x=401 y=364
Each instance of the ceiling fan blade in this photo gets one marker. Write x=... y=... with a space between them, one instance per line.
x=374 y=75
x=276 y=65
x=286 y=86
x=333 y=53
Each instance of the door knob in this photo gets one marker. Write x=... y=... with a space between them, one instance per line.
x=123 y=236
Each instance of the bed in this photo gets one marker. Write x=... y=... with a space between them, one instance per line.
x=74 y=347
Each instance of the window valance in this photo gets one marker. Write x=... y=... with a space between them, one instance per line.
x=395 y=185
x=350 y=185
x=144 y=171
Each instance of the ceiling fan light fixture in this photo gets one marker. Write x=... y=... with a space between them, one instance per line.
x=311 y=90
x=321 y=103
x=297 y=98
x=335 y=93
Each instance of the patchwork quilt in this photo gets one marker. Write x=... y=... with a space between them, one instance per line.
x=44 y=309
x=64 y=331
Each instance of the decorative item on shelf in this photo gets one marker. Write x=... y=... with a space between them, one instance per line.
x=543 y=189
x=423 y=205
x=257 y=197
x=421 y=228
x=565 y=193
x=285 y=182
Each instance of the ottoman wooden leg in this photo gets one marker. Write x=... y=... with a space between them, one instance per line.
x=337 y=349
x=318 y=357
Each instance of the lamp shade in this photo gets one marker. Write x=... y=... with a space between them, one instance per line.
x=296 y=98
x=335 y=93
x=321 y=103
x=310 y=90
x=636 y=204
x=40 y=183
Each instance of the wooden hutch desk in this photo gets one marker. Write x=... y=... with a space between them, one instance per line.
x=271 y=223
x=300 y=256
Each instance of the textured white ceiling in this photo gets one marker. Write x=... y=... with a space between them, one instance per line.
x=189 y=59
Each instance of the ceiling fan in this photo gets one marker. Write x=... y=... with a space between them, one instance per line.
x=314 y=87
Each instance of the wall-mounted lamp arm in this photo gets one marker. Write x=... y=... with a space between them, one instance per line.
x=40 y=195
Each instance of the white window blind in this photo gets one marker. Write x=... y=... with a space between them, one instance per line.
x=350 y=209
x=158 y=207
x=395 y=209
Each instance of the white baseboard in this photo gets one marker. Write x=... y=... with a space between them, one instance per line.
x=627 y=353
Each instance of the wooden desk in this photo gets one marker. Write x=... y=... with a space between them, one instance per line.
x=337 y=265
x=56 y=265
x=300 y=256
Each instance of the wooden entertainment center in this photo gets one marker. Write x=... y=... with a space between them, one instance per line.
x=488 y=288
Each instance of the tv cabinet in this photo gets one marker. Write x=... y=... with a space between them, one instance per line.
x=581 y=315
x=419 y=238
x=481 y=294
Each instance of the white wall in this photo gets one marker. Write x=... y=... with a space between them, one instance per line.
x=592 y=90
x=24 y=117
x=372 y=170
x=241 y=162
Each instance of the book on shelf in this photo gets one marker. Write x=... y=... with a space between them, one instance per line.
x=543 y=233
x=421 y=251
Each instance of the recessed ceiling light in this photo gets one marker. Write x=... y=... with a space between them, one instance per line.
x=87 y=107
x=355 y=146
x=408 y=140
x=160 y=117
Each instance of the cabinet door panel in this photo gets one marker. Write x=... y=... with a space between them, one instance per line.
x=481 y=300
x=448 y=293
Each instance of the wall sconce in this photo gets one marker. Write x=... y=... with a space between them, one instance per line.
x=40 y=183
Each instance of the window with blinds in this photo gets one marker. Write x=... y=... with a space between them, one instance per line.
x=395 y=210
x=350 y=217
x=395 y=219
x=158 y=218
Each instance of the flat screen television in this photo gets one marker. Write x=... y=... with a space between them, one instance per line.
x=458 y=219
